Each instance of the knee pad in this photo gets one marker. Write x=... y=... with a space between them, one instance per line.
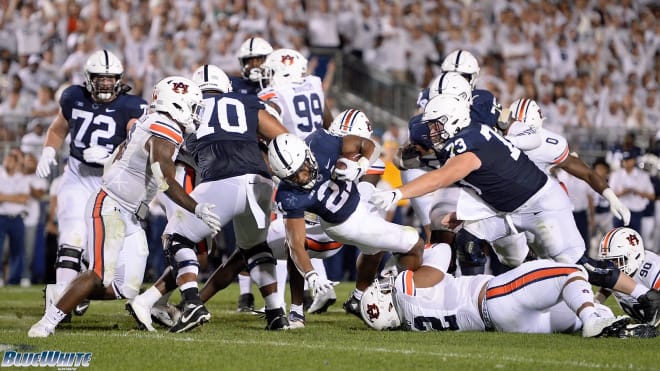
x=601 y=273
x=69 y=257
x=259 y=254
x=511 y=250
x=469 y=249
x=172 y=244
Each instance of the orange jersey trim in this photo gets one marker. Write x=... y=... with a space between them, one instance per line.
x=527 y=279
x=165 y=132
x=322 y=246
x=99 y=233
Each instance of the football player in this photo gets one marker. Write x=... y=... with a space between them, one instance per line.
x=235 y=177
x=311 y=182
x=624 y=248
x=142 y=166
x=541 y=296
x=251 y=55
x=299 y=100
x=516 y=194
x=97 y=115
x=298 y=97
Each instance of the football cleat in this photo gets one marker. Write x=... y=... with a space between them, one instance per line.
x=165 y=315
x=604 y=327
x=41 y=329
x=352 y=306
x=141 y=313
x=194 y=314
x=296 y=320
x=321 y=302
x=81 y=308
x=276 y=319
x=245 y=303
x=643 y=331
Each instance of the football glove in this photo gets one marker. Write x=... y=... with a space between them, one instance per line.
x=96 y=155
x=354 y=169
x=46 y=160
x=203 y=211
x=384 y=200
x=318 y=285
x=616 y=207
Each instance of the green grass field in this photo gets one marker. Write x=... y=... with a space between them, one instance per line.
x=330 y=341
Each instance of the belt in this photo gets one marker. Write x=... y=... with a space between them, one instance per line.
x=483 y=310
x=20 y=215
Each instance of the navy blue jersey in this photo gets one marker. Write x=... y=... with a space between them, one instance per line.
x=484 y=110
x=244 y=86
x=506 y=178
x=97 y=124
x=226 y=143
x=332 y=200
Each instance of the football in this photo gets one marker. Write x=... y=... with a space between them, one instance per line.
x=353 y=156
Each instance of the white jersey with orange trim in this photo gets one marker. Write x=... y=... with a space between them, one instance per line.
x=129 y=179
x=552 y=151
x=450 y=305
x=647 y=275
x=527 y=299
x=301 y=105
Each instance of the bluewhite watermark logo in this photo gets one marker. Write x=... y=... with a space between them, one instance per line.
x=46 y=358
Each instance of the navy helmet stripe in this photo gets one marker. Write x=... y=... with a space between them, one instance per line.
x=206 y=73
x=458 y=58
x=442 y=78
x=279 y=154
x=107 y=60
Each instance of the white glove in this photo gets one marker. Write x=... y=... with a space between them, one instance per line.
x=616 y=207
x=318 y=285
x=354 y=169
x=46 y=160
x=203 y=211
x=385 y=199
x=96 y=155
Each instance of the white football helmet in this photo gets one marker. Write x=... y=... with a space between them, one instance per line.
x=102 y=63
x=528 y=112
x=351 y=121
x=445 y=115
x=288 y=155
x=210 y=77
x=623 y=246
x=377 y=306
x=285 y=66
x=463 y=62
x=182 y=99
x=254 y=47
x=451 y=83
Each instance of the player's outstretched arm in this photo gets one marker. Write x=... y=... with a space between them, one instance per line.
x=269 y=126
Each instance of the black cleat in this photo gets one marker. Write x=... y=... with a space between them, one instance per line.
x=641 y=331
x=352 y=306
x=276 y=319
x=245 y=303
x=194 y=314
x=81 y=308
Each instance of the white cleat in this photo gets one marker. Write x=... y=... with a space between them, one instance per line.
x=321 y=302
x=41 y=329
x=604 y=327
x=141 y=313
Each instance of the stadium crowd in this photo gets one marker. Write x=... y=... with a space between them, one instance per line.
x=588 y=63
